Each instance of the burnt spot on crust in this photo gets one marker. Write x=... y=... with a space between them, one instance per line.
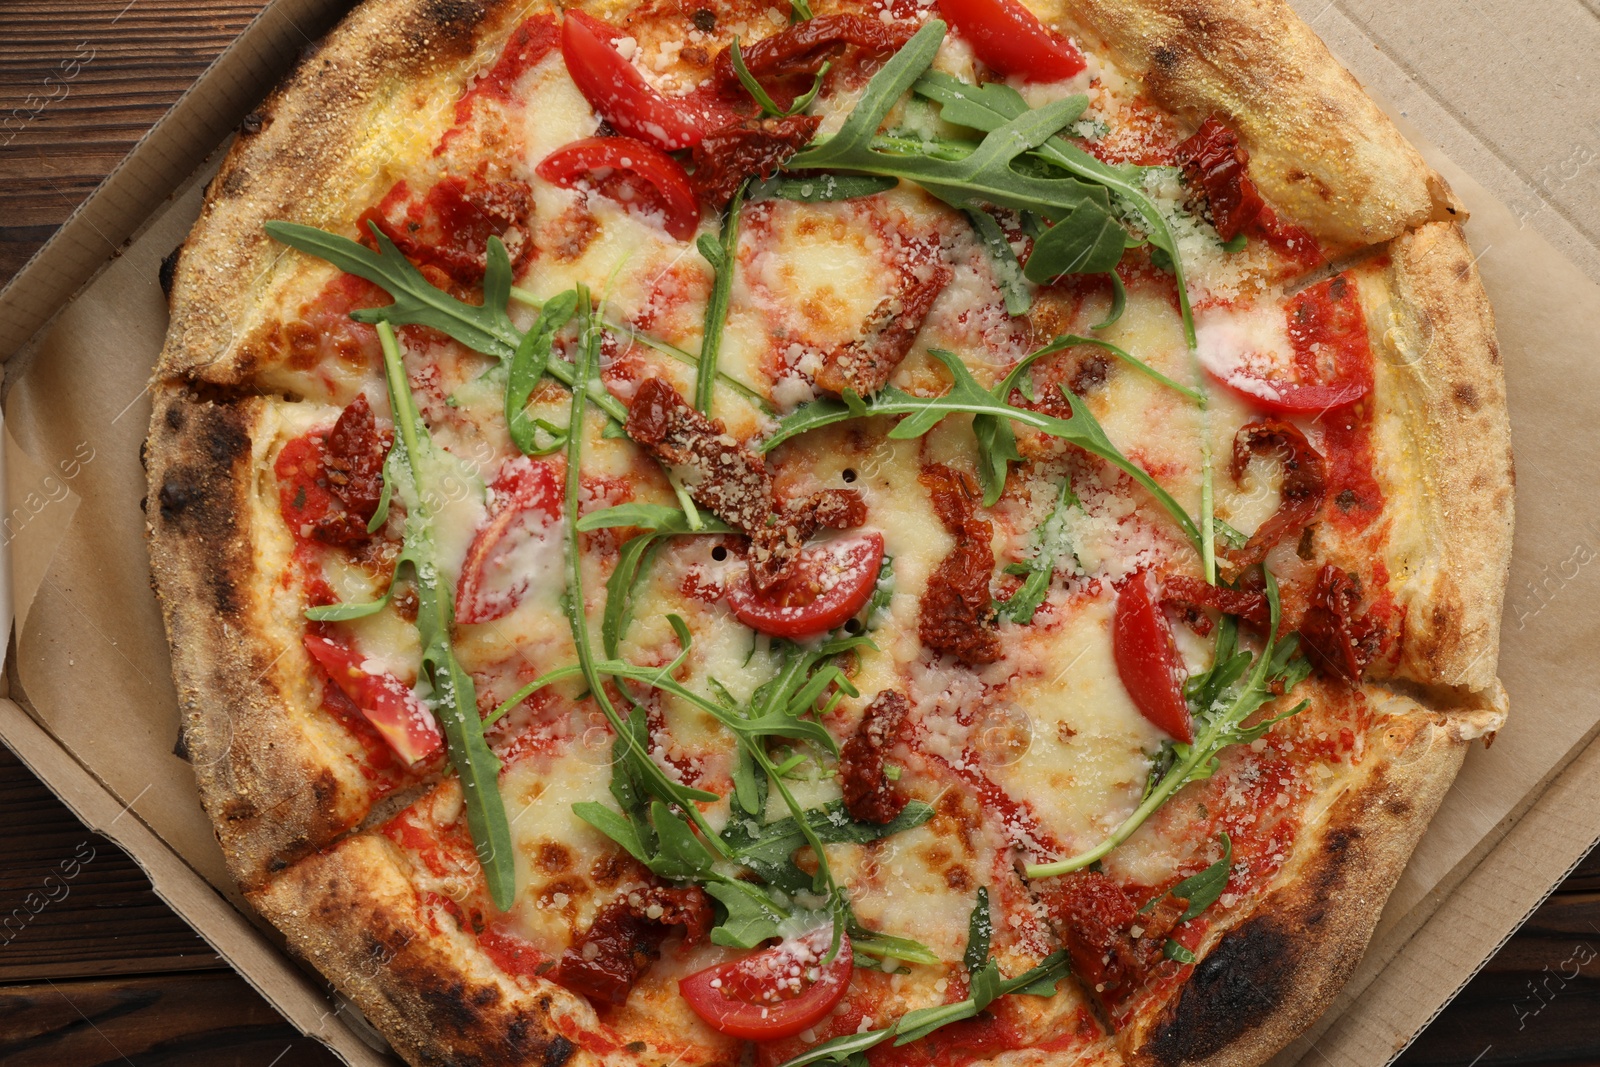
x=1466 y=396
x=447 y=28
x=1242 y=981
x=168 y=271
x=558 y=1051
x=196 y=499
x=1165 y=58
x=252 y=124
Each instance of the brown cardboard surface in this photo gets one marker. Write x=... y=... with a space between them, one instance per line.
x=92 y=660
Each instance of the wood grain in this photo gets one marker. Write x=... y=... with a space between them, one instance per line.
x=80 y=83
x=94 y=968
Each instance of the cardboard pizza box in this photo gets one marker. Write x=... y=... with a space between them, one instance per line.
x=1498 y=95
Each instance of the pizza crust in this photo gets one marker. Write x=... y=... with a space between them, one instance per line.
x=353 y=913
x=1263 y=980
x=1454 y=386
x=1321 y=151
x=274 y=791
x=390 y=65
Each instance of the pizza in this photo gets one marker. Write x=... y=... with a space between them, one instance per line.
x=922 y=532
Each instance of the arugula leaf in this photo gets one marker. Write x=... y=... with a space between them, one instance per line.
x=1088 y=241
x=752 y=917
x=1175 y=951
x=985 y=174
x=882 y=593
x=1050 y=543
x=1039 y=981
x=769 y=851
x=1221 y=699
x=485 y=328
x=840 y=1049
x=1202 y=890
x=980 y=931
x=528 y=365
x=1227 y=534
x=820 y=189
x=1003 y=258
x=748 y=80
x=967 y=396
x=988 y=107
x=619 y=829
x=412 y=457
x=635 y=555
x=721 y=254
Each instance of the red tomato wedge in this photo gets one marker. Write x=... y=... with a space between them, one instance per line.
x=773 y=993
x=1012 y=40
x=834 y=581
x=503 y=560
x=632 y=173
x=1327 y=330
x=616 y=89
x=398 y=714
x=1147 y=660
x=1292 y=398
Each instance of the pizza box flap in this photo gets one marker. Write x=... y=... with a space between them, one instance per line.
x=91 y=664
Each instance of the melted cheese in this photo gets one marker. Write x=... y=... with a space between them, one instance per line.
x=1085 y=768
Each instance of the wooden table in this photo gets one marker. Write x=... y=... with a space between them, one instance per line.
x=108 y=974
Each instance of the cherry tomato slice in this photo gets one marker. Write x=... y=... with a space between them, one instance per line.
x=1290 y=398
x=1012 y=40
x=1332 y=362
x=398 y=714
x=496 y=574
x=617 y=90
x=1147 y=660
x=630 y=172
x=834 y=581
x=773 y=993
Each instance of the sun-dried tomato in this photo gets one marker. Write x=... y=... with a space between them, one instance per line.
x=329 y=484
x=1337 y=640
x=733 y=482
x=957 y=613
x=804 y=47
x=754 y=146
x=1113 y=945
x=1216 y=164
x=865 y=364
x=1191 y=594
x=625 y=938
x=1305 y=484
x=449 y=227
x=728 y=478
x=869 y=794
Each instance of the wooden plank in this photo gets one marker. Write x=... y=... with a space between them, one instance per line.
x=80 y=83
x=71 y=902
x=212 y=1018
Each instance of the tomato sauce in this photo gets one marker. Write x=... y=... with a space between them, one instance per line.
x=530 y=42
x=325 y=330
x=1328 y=331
